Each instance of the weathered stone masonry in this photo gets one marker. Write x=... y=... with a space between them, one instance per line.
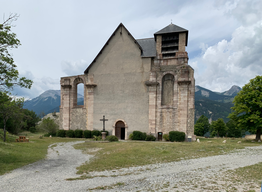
x=143 y=84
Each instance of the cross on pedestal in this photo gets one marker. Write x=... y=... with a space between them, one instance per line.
x=104 y=120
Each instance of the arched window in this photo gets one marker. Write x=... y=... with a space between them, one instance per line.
x=167 y=89
x=80 y=94
x=78 y=91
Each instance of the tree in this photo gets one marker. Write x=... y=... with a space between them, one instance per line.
x=199 y=129
x=10 y=108
x=30 y=119
x=218 y=128
x=202 y=126
x=232 y=129
x=247 y=109
x=48 y=125
x=9 y=75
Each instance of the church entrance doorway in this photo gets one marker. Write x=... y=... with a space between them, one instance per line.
x=120 y=130
x=159 y=136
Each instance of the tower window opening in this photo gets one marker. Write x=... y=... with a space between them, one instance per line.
x=169 y=45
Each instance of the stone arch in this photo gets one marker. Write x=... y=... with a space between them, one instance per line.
x=120 y=129
x=167 y=91
x=78 y=80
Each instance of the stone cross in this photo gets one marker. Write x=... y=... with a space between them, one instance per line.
x=104 y=120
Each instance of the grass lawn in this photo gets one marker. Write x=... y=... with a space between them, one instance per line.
x=115 y=155
x=250 y=174
x=14 y=154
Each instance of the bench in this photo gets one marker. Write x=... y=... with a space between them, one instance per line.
x=22 y=139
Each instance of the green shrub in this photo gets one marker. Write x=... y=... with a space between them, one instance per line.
x=70 y=133
x=9 y=136
x=130 y=136
x=112 y=138
x=97 y=138
x=143 y=136
x=177 y=136
x=48 y=125
x=87 y=134
x=96 y=133
x=138 y=135
x=61 y=133
x=104 y=131
x=32 y=129
x=166 y=137
x=150 y=138
x=78 y=133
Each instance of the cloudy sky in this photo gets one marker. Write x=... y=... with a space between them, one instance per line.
x=61 y=37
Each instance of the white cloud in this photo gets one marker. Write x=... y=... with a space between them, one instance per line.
x=71 y=68
x=232 y=62
x=61 y=38
x=39 y=86
x=27 y=74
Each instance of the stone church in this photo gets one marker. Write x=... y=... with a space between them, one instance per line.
x=138 y=84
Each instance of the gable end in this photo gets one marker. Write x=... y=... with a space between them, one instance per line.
x=100 y=52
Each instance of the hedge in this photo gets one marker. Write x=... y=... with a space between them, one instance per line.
x=96 y=133
x=150 y=138
x=138 y=135
x=177 y=136
x=166 y=137
x=78 y=133
x=61 y=133
x=87 y=134
x=70 y=133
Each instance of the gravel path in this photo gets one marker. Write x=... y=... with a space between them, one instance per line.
x=202 y=174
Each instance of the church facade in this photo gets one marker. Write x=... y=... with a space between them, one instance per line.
x=138 y=84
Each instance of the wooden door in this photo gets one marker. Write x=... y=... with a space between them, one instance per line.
x=118 y=130
x=159 y=136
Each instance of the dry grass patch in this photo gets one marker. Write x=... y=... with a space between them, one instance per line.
x=17 y=154
x=117 y=155
x=250 y=174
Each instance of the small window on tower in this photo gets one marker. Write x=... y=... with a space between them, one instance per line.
x=169 y=45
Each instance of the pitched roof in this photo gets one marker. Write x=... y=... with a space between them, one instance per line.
x=100 y=52
x=171 y=28
x=149 y=47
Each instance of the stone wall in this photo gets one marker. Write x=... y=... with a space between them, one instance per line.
x=125 y=87
x=119 y=73
x=73 y=116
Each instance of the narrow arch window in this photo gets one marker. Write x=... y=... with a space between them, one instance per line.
x=80 y=94
x=167 y=89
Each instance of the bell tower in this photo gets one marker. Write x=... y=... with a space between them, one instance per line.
x=171 y=42
x=174 y=87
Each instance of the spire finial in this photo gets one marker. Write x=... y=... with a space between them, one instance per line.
x=171 y=21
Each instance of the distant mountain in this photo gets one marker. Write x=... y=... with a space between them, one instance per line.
x=214 y=105
x=57 y=108
x=232 y=91
x=225 y=97
x=45 y=102
x=212 y=109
